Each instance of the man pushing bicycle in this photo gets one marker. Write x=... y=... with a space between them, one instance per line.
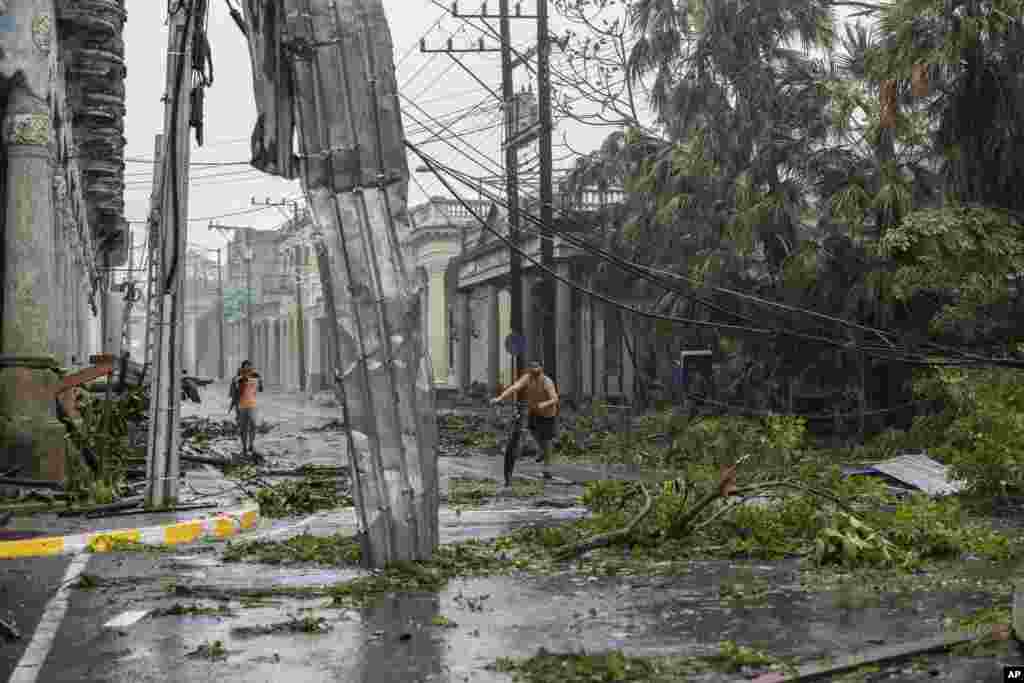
x=542 y=398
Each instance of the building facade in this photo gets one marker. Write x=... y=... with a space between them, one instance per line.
x=63 y=226
x=466 y=302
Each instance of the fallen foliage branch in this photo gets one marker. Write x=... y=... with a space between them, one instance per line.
x=612 y=537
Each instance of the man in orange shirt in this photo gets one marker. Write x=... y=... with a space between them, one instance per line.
x=243 y=397
x=542 y=397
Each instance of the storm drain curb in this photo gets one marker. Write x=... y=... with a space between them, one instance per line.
x=220 y=526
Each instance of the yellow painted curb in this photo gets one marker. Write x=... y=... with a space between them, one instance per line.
x=220 y=526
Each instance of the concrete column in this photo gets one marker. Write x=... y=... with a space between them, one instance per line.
x=84 y=315
x=191 y=355
x=30 y=434
x=437 y=328
x=265 y=352
x=112 y=318
x=462 y=333
x=533 y=346
x=286 y=352
x=490 y=332
x=295 y=353
x=566 y=341
x=628 y=342
x=275 y=346
x=314 y=344
x=586 y=347
x=600 y=378
x=504 y=329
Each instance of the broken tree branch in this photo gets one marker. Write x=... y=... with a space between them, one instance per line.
x=612 y=537
x=32 y=483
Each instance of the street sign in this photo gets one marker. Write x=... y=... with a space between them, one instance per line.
x=515 y=344
x=680 y=374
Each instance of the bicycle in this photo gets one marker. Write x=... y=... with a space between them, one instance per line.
x=518 y=434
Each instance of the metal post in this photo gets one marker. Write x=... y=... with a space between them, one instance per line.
x=547 y=248
x=511 y=185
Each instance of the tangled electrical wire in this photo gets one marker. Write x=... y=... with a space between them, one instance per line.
x=890 y=352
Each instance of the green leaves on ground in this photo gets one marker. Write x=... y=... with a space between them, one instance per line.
x=301 y=497
x=615 y=667
x=102 y=438
x=473 y=492
x=336 y=550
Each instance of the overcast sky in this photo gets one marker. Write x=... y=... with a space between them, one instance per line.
x=432 y=81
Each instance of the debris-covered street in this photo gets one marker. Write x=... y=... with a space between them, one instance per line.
x=566 y=341
x=288 y=601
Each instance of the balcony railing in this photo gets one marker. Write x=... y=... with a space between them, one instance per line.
x=279 y=284
x=592 y=200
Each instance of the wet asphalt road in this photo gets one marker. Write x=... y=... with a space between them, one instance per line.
x=397 y=641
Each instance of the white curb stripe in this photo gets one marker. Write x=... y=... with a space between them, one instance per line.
x=39 y=648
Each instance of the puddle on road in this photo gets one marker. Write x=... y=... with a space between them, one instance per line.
x=454 y=634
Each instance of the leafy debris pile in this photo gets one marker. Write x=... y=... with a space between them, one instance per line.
x=208 y=650
x=203 y=429
x=335 y=550
x=194 y=610
x=303 y=496
x=334 y=425
x=306 y=624
x=615 y=667
x=474 y=492
x=460 y=435
x=102 y=440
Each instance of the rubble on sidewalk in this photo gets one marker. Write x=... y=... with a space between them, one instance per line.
x=210 y=428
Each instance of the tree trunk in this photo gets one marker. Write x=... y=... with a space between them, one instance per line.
x=328 y=70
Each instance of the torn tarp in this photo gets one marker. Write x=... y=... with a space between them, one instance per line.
x=914 y=471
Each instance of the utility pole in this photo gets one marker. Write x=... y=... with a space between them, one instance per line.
x=165 y=396
x=547 y=246
x=222 y=365
x=300 y=317
x=154 y=269
x=515 y=260
x=513 y=141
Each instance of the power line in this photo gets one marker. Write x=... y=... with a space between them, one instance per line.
x=212 y=218
x=844 y=345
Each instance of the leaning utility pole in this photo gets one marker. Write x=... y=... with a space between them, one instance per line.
x=165 y=395
x=353 y=166
x=547 y=246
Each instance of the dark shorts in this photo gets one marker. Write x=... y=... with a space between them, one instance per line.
x=246 y=419
x=544 y=429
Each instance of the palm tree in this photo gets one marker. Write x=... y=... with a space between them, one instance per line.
x=973 y=53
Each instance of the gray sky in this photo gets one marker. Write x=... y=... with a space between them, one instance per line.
x=432 y=81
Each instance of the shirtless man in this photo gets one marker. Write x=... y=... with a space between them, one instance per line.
x=542 y=398
x=243 y=398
